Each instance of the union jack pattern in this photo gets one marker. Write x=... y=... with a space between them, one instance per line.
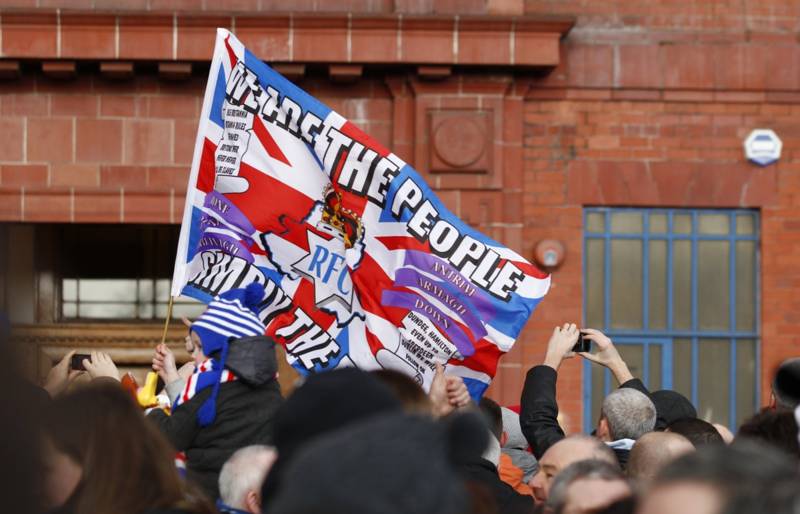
x=362 y=264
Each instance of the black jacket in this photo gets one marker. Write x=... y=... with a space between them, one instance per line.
x=245 y=413
x=538 y=416
x=508 y=501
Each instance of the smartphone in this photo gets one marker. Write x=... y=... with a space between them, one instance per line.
x=583 y=345
x=76 y=362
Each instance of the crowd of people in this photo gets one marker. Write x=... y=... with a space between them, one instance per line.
x=352 y=441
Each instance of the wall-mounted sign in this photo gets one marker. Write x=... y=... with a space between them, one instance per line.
x=763 y=147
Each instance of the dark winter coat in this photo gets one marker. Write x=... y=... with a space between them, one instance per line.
x=538 y=416
x=245 y=412
x=508 y=501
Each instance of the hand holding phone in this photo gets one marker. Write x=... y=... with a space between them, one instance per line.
x=583 y=345
x=76 y=363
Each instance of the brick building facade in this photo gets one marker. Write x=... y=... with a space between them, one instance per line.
x=523 y=115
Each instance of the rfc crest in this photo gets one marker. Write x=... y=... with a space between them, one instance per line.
x=322 y=248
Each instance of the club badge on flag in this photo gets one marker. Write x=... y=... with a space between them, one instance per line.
x=362 y=263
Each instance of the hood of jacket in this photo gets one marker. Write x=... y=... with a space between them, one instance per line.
x=252 y=359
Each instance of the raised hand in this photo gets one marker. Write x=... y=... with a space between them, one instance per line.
x=164 y=364
x=606 y=355
x=560 y=345
x=61 y=376
x=101 y=365
x=457 y=392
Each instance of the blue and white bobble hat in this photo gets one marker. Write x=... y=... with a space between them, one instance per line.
x=232 y=315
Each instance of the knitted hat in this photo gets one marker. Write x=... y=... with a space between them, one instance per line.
x=232 y=315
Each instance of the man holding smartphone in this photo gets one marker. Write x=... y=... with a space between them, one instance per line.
x=626 y=414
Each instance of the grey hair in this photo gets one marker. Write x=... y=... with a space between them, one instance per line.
x=244 y=471
x=581 y=470
x=629 y=412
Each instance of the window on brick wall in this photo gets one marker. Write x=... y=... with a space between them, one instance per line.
x=677 y=291
x=118 y=272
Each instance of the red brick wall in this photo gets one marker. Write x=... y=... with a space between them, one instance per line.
x=99 y=150
x=649 y=107
x=676 y=154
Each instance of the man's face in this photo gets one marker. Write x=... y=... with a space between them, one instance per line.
x=681 y=498
x=593 y=494
x=556 y=458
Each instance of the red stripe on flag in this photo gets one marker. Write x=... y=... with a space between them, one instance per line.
x=530 y=269
x=356 y=134
x=304 y=297
x=484 y=359
x=267 y=199
x=206 y=171
x=370 y=280
x=256 y=250
x=268 y=142
x=296 y=233
x=373 y=342
x=403 y=243
x=231 y=53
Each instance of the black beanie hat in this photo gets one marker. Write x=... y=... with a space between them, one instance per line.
x=671 y=406
x=324 y=403
x=395 y=463
x=786 y=386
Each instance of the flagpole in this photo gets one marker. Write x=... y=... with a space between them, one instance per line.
x=169 y=317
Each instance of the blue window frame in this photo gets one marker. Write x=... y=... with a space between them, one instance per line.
x=677 y=291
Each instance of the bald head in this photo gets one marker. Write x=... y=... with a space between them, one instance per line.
x=653 y=451
x=562 y=454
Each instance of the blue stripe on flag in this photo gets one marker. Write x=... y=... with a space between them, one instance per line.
x=194 y=234
x=269 y=77
x=198 y=294
x=475 y=387
x=215 y=113
x=271 y=274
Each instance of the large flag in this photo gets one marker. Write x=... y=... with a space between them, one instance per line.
x=363 y=264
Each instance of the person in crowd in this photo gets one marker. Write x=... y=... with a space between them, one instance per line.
x=697 y=431
x=101 y=455
x=786 y=385
x=671 y=406
x=587 y=486
x=61 y=376
x=716 y=478
x=775 y=427
x=780 y=497
x=483 y=469
x=626 y=414
x=517 y=465
x=563 y=453
x=385 y=463
x=231 y=399
x=652 y=452
x=21 y=409
x=724 y=432
x=407 y=390
x=241 y=479
x=324 y=403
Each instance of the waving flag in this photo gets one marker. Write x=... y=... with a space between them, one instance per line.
x=363 y=265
